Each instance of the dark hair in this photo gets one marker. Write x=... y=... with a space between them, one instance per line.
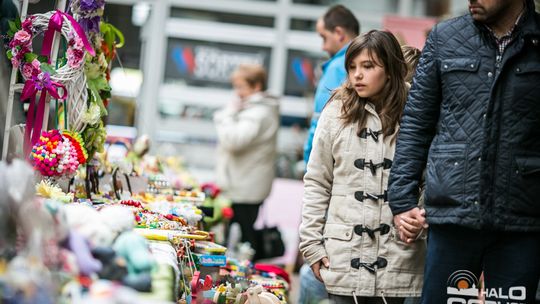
x=390 y=106
x=339 y=15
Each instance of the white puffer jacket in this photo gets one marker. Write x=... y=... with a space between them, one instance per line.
x=247 y=145
x=346 y=216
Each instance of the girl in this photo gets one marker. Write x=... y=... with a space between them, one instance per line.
x=347 y=235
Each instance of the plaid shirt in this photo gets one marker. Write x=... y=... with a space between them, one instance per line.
x=503 y=41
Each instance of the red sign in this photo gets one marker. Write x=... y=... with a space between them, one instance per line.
x=409 y=30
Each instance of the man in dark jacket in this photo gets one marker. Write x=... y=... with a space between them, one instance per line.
x=472 y=121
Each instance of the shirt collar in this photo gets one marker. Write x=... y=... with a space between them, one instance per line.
x=512 y=30
x=340 y=53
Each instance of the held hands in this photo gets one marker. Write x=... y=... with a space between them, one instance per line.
x=316 y=268
x=411 y=224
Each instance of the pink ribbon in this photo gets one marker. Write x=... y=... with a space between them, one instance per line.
x=55 y=24
x=33 y=125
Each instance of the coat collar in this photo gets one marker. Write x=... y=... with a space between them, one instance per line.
x=340 y=53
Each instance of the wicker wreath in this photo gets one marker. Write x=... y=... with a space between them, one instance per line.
x=70 y=74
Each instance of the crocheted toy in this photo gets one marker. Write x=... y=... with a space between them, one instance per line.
x=57 y=154
x=130 y=246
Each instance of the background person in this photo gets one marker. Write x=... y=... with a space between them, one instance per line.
x=247 y=147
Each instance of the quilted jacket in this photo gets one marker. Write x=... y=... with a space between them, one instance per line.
x=346 y=216
x=475 y=123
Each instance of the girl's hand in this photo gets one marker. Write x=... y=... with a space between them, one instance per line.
x=316 y=268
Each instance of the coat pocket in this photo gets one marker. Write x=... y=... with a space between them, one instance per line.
x=457 y=74
x=525 y=189
x=403 y=257
x=460 y=64
x=526 y=92
x=445 y=181
x=337 y=242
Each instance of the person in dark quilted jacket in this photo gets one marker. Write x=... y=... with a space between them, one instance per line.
x=472 y=121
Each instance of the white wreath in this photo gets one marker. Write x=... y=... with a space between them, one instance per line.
x=73 y=78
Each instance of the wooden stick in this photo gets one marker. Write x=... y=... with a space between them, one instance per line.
x=61 y=6
x=11 y=96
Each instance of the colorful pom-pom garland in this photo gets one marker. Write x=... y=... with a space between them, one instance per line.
x=58 y=154
x=78 y=143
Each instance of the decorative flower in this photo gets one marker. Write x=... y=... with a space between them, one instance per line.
x=46 y=189
x=90 y=24
x=27 y=24
x=75 y=57
x=42 y=80
x=15 y=62
x=23 y=37
x=91 y=5
x=36 y=64
x=27 y=70
x=92 y=115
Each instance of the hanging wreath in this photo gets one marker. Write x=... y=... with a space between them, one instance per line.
x=40 y=77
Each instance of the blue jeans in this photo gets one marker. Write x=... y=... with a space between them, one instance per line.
x=335 y=299
x=457 y=256
x=312 y=291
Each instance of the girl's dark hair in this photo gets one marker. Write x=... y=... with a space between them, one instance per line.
x=390 y=106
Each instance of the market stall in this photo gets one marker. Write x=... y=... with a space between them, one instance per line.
x=80 y=228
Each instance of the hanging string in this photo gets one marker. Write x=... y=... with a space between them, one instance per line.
x=60 y=107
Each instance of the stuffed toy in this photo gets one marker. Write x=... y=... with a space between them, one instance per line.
x=132 y=247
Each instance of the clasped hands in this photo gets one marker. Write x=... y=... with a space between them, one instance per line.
x=410 y=224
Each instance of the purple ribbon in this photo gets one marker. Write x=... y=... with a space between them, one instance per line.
x=55 y=24
x=31 y=87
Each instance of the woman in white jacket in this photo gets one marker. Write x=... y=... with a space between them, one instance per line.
x=247 y=139
x=347 y=233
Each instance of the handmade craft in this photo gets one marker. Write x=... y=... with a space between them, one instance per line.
x=40 y=78
x=57 y=154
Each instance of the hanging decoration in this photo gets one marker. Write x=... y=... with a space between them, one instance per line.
x=58 y=154
x=105 y=38
x=40 y=78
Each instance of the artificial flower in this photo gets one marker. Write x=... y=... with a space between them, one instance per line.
x=36 y=64
x=15 y=62
x=90 y=24
x=42 y=80
x=91 y=5
x=27 y=70
x=22 y=36
x=75 y=57
x=92 y=115
x=46 y=189
x=27 y=24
